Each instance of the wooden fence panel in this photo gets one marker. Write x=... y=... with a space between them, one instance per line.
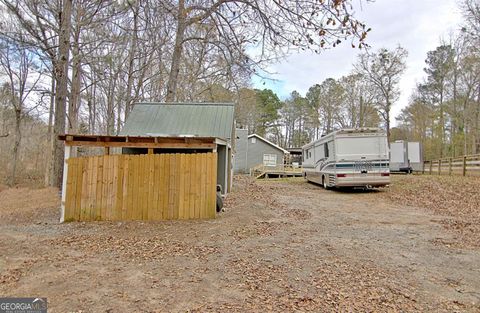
x=141 y=187
x=468 y=165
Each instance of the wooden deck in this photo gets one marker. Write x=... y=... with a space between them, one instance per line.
x=262 y=171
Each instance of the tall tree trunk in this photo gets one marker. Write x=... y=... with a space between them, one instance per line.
x=61 y=92
x=361 y=112
x=442 y=126
x=387 y=118
x=16 y=147
x=49 y=159
x=387 y=124
x=177 y=53
x=131 y=59
x=74 y=104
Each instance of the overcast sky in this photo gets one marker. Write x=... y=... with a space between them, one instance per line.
x=417 y=25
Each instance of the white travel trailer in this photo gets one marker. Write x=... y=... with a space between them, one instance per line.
x=406 y=156
x=348 y=158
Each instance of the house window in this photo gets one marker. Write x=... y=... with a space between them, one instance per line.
x=254 y=140
x=269 y=159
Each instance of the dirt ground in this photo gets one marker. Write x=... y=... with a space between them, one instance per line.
x=281 y=245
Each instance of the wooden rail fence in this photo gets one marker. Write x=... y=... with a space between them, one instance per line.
x=141 y=187
x=465 y=165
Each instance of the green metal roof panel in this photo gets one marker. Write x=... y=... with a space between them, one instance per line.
x=174 y=119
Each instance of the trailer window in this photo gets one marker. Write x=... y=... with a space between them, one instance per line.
x=325 y=146
x=308 y=154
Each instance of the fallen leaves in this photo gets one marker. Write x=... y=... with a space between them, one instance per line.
x=134 y=248
x=455 y=198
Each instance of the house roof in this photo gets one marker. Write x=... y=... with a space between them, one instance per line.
x=180 y=119
x=268 y=142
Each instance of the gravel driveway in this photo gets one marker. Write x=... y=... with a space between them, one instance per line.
x=281 y=245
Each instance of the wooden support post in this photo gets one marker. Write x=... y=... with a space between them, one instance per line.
x=64 y=184
x=150 y=150
x=226 y=170
x=450 y=166
x=464 y=172
x=439 y=167
x=431 y=165
x=107 y=151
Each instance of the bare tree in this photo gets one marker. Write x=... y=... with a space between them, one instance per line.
x=271 y=27
x=61 y=91
x=23 y=75
x=383 y=70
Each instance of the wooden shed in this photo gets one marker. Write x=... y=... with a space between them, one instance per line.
x=169 y=160
x=140 y=186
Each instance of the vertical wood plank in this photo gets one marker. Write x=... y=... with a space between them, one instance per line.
x=171 y=186
x=143 y=187
x=213 y=190
x=111 y=189
x=178 y=176
x=186 y=186
x=165 y=183
x=136 y=187
x=100 y=188
x=151 y=191
x=198 y=178
x=181 y=182
x=203 y=185
x=92 y=184
x=119 y=188
x=127 y=181
x=78 y=197
x=160 y=196
x=129 y=187
x=193 y=160
x=208 y=193
x=95 y=189
x=156 y=187
x=84 y=198
x=70 y=189
x=144 y=175
x=69 y=194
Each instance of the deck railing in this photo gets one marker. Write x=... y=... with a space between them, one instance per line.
x=467 y=165
x=279 y=168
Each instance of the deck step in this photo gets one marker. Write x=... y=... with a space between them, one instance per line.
x=260 y=176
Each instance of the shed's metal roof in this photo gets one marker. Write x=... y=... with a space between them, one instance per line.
x=180 y=119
